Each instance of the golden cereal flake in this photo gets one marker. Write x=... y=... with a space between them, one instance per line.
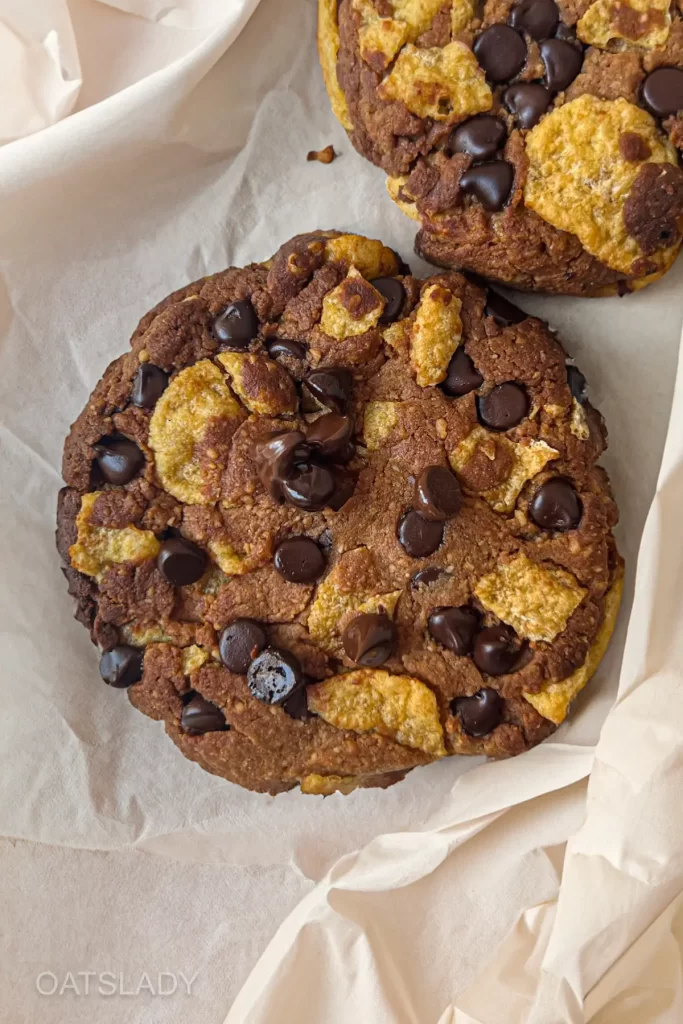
x=418 y=15
x=377 y=36
x=379 y=420
x=193 y=658
x=394 y=186
x=646 y=23
x=326 y=785
x=367 y=255
x=578 y=423
x=446 y=83
x=462 y=13
x=141 y=636
x=227 y=559
x=352 y=308
x=328 y=49
x=578 y=180
x=527 y=460
x=535 y=600
x=435 y=334
x=196 y=398
x=99 y=547
x=264 y=386
x=331 y=603
x=552 y=702
x=371 y=700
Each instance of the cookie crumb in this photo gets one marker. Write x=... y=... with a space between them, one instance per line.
x=323 y=156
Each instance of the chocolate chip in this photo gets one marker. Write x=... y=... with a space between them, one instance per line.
x=199 y=716
x=454 y=628
x=566 y=32
x=122 y=666
x=344 y=486
x=418 y=536
x=118 y=459
x=437 y=494
x=481 y=713
x=497 y=649
x=296 y=706
x=556 y=505
x=330 y=388
x=285 y=348
x=308 y=486
x=237 y=325
x=426 y=576
x=274 y=676
x=489 y=183
x=149 y=384
x=330 y=434
x=538 y=18
x=395 y=294
x=181 y=562
x=501 y=52
x=663 y=91
x=462 y=376
x=528 y=101
x=502 y=311
x=562 y=63
x=369 y=639
x=277 y=456
x=577 y=384
x=240 y=642
x=299 y=560
x=480 y=137
x=504 y=407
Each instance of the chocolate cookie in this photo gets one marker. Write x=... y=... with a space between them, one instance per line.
x=329 y=522
x=536 y=141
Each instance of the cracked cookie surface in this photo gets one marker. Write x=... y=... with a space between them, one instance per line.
x=329 y=522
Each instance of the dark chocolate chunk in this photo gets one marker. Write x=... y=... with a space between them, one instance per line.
x=296 y=706
x=277 y=456
x=274 y=676
x=369 y=639
x=454 y=628
x=489 y=183
x=330 y=387
x=504 y=407
x=199 y=716
x=501 y=52
x=662 y=91
x=393 y=291
x=149 y=384
x=556 y=505
x=538 y=18
x=562 y=63
x=181 y=562
x=330 y=434
x=497 y=649
x=418 y=536
x=299 y=560
x=240 y=642
x=437 y=494
x=122 y=666
x=479 y=137
x=503 y=311
x=462 y=376
x=528 y=101
x=481 y=713
x=119 y=459
x=426 y=576
x=308 y=486
x=237 y=326
x=284 y=347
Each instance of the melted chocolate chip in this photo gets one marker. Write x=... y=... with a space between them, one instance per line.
x=330 y=388
x=502 y=311
x=344 y=486
x=277 y=457
x=454 y=628
x=308 y=486
x=437 y=494
x=481 y=713
x=577 y=384
x=395 y=295
x=418 y=536
x=369 y=639
x=296 y=706
x=122 y=666
x=149 y=384
x=119 y=460
x=285 y=348
x=480 y=137
x=330 y=434
x=299 y=560
x=562 y=63
x=239 y=644
x=556 y=505
x=274 y=676
x=489 y=183
x=538 y=18
x=237 y=326
x=497 y=649
x=567 y=33
x=462 y=376
x=501 y=52
x=426 y=576
x=528 y=101
x=181 y=562
x=504 y=407
x=663 y=91
x=199 y=716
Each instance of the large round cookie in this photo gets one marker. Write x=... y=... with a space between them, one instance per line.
x=328 y=522
x=536 y=141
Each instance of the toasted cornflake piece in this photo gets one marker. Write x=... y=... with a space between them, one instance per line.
x=394 y=186
x=328 y=47
x=326 y=785
x=367 y=255
x=196 y=402
x=227 y=559
x=554 y=699
x=352 y=308
x=193 y=658
x=578 y=423
x=378 y=423
x=264 y=386
x=445 y=84
x=323 y=156
x=435 y=335
x=578 y=180
x=418 y=15
x=535 y=600
x=97 y=548
x=331 y=602
x=462 y=13
x=379 y=38
x=368 y=700
x=646 y=23
x=141 y=636
x=527 y=460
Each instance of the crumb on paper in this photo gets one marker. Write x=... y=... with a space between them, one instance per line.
x=323 y=156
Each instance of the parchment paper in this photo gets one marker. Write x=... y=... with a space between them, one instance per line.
x=188 y=169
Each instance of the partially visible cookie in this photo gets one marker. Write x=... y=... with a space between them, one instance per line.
x=536 y=142
x=329 y=522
